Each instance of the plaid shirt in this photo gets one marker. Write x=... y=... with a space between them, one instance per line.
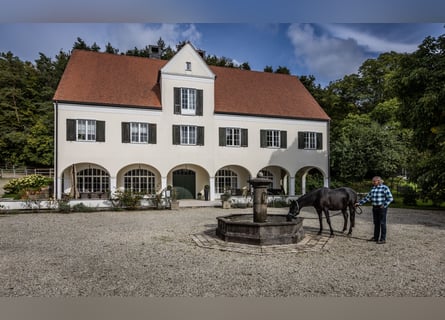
x=379 y=195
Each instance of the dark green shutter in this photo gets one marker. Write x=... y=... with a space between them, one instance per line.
x=152 y=133
x=283 y=139
x=319 y=141
x=263 y=138
x=125 y=132
x=177 y=106
x=222 y=137
x=300 y=140
x=176 y=134
x=71 y=130
x=244 y=138
x=100 y=131
x=200 y=137
x=199 y=102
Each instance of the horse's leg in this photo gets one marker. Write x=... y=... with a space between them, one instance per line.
x=345 y=217
x=328 y=219
x=320 y=220
x=352 y=218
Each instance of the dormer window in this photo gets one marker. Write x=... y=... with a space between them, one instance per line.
x=188 y=66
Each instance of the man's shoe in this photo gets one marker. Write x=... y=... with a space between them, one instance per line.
x=381 y=242
x=372 y=239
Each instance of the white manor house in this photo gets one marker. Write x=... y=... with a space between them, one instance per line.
x=142 y=124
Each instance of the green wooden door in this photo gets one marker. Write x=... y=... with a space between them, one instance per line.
x=184 y=182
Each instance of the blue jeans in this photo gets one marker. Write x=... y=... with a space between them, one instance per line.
x=379 y=216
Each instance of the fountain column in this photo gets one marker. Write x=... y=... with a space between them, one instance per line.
x=260 y=185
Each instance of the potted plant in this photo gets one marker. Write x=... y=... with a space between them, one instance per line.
x=225 y=199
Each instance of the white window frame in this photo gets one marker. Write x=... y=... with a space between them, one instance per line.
x=140 y=180
x=225 y=179
x=139 y=132
x=189 y=135
x=273 y=138
x=85 y=130
x=188 y=101
x=310 y=140
x=233 y=137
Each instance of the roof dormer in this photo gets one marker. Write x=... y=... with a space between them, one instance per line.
x=188 y=62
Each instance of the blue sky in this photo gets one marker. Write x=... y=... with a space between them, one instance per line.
x=326 y=50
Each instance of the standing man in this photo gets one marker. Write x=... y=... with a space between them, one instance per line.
x=380 y=197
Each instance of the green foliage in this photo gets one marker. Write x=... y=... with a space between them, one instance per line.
x=127 y=199
x=32 y=182
x=363 y=148
x=419 y=85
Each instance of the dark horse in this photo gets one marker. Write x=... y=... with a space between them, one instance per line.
x=325 y=199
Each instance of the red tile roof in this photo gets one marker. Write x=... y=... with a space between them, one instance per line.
x=108 y=79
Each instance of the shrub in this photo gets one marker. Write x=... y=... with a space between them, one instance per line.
x=34 y=182
x=127 y=199
x=409 y=196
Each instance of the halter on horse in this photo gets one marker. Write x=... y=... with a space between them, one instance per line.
x=325 y=199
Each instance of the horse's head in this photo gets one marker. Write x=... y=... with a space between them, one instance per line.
x=294 y=208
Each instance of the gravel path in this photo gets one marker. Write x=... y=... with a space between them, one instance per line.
x=152 y=254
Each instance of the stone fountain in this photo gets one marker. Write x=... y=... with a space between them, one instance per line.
x=260 y=228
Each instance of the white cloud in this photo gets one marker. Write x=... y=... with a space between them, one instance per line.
x=327 y=58
x=128 y=36
x=368 y=40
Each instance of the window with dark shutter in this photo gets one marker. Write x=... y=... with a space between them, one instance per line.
x=200 y=136
x=152 y=133
x=300 y=140
x=222 y=137
x=125 y=132
x=199 y=102
x=100 y=131
x=176 y=134
x=319 y=141
x=263 y=138
x=71 y=130
x=283 y=139
x=244 y=138
x=177 y=102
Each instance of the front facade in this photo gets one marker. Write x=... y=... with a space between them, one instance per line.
x=139 y=124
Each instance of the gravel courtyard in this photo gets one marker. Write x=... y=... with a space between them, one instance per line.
x=153 y=254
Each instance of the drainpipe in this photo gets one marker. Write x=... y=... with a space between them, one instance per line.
x=56 y=172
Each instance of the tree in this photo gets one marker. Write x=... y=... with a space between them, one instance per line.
x=268 y=69
x=363 y=148
x=419 y=84
x=283 y=70
x=109 y=49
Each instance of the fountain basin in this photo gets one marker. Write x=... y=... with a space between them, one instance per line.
x=275 y=230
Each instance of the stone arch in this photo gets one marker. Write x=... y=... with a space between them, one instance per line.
x=280 y=179
x=139 y=177
x=86 y=180
x=201 y=178
x=234 y=183
x=301 y=177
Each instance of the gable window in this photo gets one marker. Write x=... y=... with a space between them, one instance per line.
x=188 y=135
x=273 y=139
x=138 y=132
x=188 y=101
x=85 y=130
x=310 y=140
x=188 y=66
x=233 y=137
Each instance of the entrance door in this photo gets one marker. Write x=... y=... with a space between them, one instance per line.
x=184 y=181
